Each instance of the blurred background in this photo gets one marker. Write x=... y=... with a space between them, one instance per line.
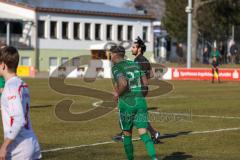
x=50 y=33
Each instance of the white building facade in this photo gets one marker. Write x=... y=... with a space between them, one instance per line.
x=52 y=35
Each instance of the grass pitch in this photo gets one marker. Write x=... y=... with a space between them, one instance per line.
x=191 y=118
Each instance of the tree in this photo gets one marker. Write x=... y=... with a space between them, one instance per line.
x=216 y=19
x=225 y=13
x=211 y=18
x=175 y=19
x=197 y=5
x=155 y=8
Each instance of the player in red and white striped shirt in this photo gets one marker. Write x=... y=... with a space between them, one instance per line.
x=20 y=142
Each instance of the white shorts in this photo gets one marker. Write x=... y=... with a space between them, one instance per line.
x=26 y=149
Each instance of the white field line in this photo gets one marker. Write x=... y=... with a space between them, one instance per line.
x=98 y=103
x=214 y=131
x=200 y=116
x=111 y=142
x=81 y=146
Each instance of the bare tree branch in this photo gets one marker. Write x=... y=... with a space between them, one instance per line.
x=153 y=7
x=202 y=3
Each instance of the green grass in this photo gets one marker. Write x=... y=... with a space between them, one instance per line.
x=197 y=97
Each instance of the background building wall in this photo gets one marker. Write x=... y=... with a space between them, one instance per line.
x=48 y=43
x=68 y=48
x=45 y=54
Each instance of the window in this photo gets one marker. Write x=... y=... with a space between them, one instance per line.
x=65 y=30
x=87 y=31
x=25 y=61
x=129 y=33
x=76 y=61
x=17 y=28
x=76 y=30
x=3 y=28
x=109 y=32
x=97 y=31
x=145 y=33
x=120 y=33
x=53 y=61
x=64 y=60
x=41 y=29
x=53 y=29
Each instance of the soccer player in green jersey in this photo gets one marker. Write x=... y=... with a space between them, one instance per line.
x=138 y=49
x=132 y=105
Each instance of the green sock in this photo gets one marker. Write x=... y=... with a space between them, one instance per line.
x=128 y=146
x=149 y=145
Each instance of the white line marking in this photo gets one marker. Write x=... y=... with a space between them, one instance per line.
x=201 y=116
x=214 y=131
x=111 y=142
x=223 y=117
x=73 y=147
x=98 y=103
x=81 y=146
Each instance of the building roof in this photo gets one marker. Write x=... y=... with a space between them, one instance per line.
x=12 y=17
x=78 y=7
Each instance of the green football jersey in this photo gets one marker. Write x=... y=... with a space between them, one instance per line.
x=132 y=73
x=131 y=103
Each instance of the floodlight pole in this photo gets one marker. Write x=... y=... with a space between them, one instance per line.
x=8 y=36
x=189 y=34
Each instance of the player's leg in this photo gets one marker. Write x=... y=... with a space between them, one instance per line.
x=218 y=75
x=148 y=142
x=37 y=150
x=141 y=123
x=155 y=135
x=128 y=145
x=151 y=130
x=213 y=75
x=126 y=124
x=25 y=149
x=119 y=137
